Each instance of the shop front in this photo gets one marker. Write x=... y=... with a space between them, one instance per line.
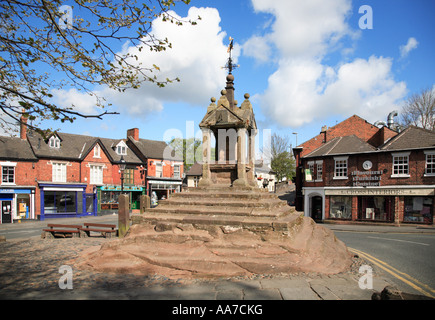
x=163 y=187
x=17 y=204
x=394 y=204
x=65 y=201
x=108 y=197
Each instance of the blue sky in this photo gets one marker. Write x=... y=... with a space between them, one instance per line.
x=305 y=64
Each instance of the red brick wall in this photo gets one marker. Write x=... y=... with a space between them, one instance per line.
x=168 y=170
x=382 y=161
x=86 y=170
x=351 y=126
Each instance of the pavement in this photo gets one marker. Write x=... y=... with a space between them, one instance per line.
x=351 y=285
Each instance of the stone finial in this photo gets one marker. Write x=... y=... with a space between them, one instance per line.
x=212 y=105
x=223 y=101
x=246 y=105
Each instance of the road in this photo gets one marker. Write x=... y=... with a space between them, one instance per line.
x=407 y=256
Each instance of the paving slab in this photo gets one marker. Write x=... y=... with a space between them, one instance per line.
x=262 y=294
x=298 y=293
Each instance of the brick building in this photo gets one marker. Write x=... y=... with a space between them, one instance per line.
x=364 y=173
x=18 y=185
x=69 y=175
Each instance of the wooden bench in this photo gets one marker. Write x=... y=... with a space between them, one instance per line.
x=64 y=229
x=105 y=229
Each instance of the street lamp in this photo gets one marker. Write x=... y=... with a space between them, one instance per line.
x=295 y=133
x=122 y=168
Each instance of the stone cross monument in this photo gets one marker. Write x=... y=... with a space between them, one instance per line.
x=234 y=130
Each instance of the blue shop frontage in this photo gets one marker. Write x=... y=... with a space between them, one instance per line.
x=66 y=201
x=17 y=203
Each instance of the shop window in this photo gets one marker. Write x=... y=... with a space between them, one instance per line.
x=418 y=209
x=61 y=202
x=109 y=200
x=376 y=208
x=340 y=207
x=400 y=165
x=340 y=171
x=8 y=175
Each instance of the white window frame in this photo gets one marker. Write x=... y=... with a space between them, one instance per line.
x=8 y=165
x=400 y=167
x=179 y=171
x=54 y=142
x=319 y=170
x=97 y=151
x=121 y=148
x=96 y=174
x=159 y=165
x=311 y=168
x=59 y=171
x=340 y=160
x=430 y=155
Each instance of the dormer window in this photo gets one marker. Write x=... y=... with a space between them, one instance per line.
x=121 y=148
x=54 y=142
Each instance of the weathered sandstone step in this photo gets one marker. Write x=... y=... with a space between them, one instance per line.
x=253 y=223
x=231 y=202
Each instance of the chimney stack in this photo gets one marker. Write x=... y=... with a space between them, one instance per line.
x=134 y=133
x=23 y=127
x=324 y=130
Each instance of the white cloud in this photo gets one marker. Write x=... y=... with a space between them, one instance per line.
x=410 y=45
x=81 y=101
x=304 y=88
x=305 y=28
x=198 y=52
x=196 y=57
x=258 y=48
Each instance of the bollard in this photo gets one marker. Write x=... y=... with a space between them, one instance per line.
x=145 y=203
x=123 y=215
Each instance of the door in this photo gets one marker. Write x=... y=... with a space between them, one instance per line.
x=316 y=208
x=6 y=208
x=90 y=203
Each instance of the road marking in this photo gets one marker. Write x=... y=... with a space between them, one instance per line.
x=399 y=240
x=414 y=283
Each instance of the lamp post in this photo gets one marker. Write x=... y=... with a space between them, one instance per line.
x=122 y=168
x=296 y=134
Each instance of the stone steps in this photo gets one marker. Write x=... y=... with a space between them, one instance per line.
x=219 y=210
x=230 y=208
x=226 y=203
x=203 y=221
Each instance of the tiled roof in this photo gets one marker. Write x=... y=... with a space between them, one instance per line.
x=156 y=149
x=342 y=145
x=72 y=146
x=12 y=148
x=411 y=138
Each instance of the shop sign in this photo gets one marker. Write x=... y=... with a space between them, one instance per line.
x=381 y=192
x=118 y=188
x=366 y=178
